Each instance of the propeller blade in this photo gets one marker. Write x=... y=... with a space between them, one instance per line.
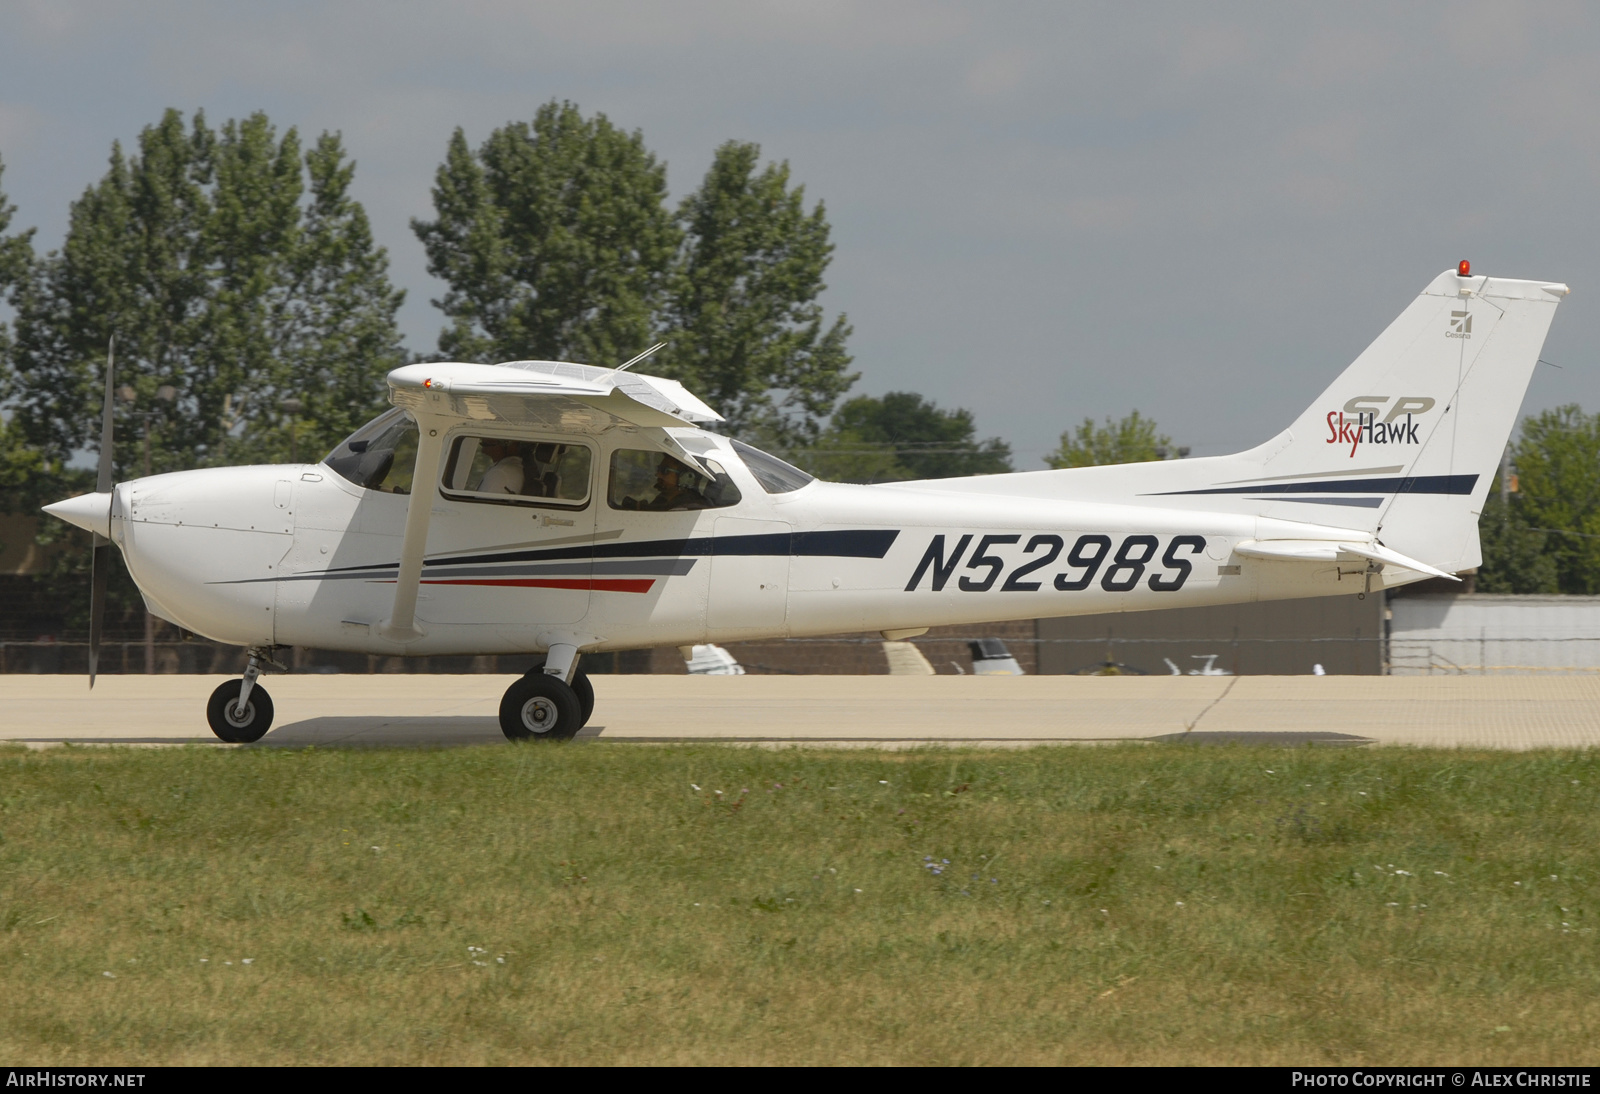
x=100 y=563
x=101 y=573
x=103 y=485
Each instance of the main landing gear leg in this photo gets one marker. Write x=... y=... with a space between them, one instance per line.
x=563 y=662
x=240 y=711
x=543 y=706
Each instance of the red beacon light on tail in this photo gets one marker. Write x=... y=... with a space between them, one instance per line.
x=1465 y=269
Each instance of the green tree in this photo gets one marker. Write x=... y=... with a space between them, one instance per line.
x=222 y=277
x=553 y=238
x=16 y=258
x=1132 y=440
x=1557 y=459
x=343 y=339
x=25 y=478
x=903 y=436
x=1516 y=558
x=743 y=325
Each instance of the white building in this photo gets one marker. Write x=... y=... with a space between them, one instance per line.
x=1485 y=633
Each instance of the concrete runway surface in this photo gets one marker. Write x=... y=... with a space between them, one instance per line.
x=1515 y=712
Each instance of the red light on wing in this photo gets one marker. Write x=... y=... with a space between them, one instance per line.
x=1465 y=269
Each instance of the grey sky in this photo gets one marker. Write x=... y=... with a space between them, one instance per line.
x=1042 y=211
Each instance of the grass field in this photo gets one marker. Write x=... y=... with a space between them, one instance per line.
x=614 y=903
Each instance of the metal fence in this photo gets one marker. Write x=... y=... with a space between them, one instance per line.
x=1143 y=656
x=1487 y=656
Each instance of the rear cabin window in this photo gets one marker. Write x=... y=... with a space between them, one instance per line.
x=509 y=470
x=656 y=482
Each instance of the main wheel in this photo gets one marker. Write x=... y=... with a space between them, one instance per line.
x=585 y=693
x=239 y=727
x=540 y=708
x=581 y=687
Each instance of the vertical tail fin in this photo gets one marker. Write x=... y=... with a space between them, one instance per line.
x=1413 y=430
x=1403 y=444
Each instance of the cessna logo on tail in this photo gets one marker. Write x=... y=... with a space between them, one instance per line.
x=1364 y=427
x=1460 y=325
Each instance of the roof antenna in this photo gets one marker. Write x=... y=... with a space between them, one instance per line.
x=641 y=357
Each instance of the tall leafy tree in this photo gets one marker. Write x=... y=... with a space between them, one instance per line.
x=21 y=470
x=223 y=278
x=341 y=338
x=1516 y=558
x=744 y=326
x=554 y=240
x=903 y=436
x=1553 y=520
x=1134 y=439
x=16 y=256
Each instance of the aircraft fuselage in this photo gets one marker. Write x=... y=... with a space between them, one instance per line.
x=298 y=555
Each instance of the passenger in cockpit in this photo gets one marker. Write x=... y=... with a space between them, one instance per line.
x=506 y=476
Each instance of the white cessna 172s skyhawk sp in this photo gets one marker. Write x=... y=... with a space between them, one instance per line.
x=541 y=507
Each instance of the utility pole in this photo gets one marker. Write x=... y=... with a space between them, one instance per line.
x=294 y=406
x=1505 y=480
x=167 y=394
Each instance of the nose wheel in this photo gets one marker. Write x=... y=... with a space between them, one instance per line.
x=238 y=722
x=240 y=711
x=540 y=707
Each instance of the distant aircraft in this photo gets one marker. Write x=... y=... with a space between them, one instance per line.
x=709 y=660
x=1207 y=669
x=541 y=507
x=991 y=658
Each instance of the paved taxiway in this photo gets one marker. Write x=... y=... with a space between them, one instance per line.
x=1444 y=711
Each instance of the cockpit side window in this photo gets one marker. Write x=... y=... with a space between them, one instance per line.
x=513 y=470
x=381 y=455
x=775 y=476
x=659 y=483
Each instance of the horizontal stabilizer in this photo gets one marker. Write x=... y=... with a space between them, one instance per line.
x=1310 y=550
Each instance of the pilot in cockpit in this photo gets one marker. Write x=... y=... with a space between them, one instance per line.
x=671 y=493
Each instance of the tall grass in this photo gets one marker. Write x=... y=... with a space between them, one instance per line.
x=614 y=903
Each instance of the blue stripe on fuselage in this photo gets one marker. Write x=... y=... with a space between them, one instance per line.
x=1410 y=484
x=847 y=543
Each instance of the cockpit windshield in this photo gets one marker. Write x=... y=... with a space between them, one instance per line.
x=381 y=455
x=774 y=475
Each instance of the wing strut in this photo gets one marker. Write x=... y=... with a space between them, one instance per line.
x=401 y=626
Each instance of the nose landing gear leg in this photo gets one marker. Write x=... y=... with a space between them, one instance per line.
x=240 y=711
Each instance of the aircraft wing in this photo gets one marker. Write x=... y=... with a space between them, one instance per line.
x=556 y=394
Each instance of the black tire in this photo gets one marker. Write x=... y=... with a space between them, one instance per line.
x=585 y=692
x=226 y=722
x=540 y=708
x=582 y=687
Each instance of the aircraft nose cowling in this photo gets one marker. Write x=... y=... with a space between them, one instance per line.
x=205 y=545
x=91 y=512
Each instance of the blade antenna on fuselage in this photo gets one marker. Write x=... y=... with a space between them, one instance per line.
x=641 y=357
x=673 y=448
